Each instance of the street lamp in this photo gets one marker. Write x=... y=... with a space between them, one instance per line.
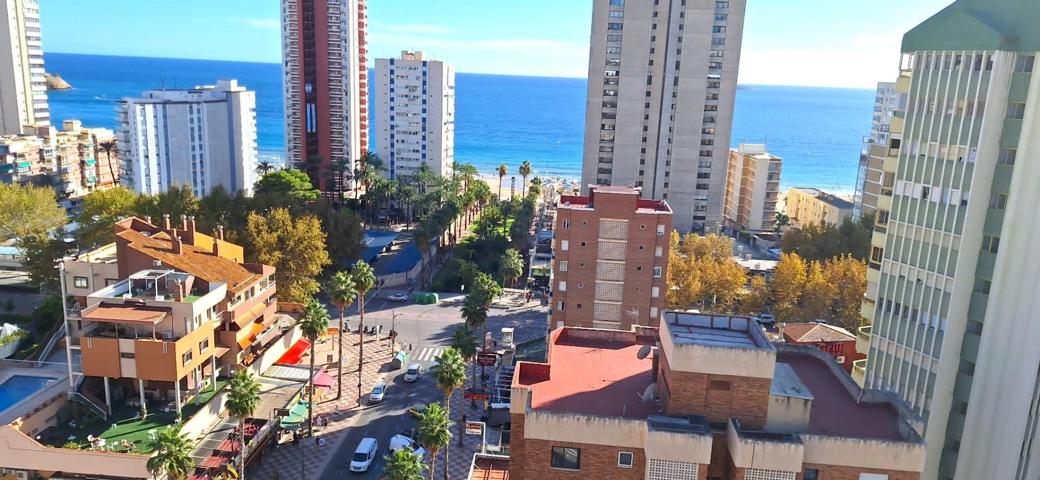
x=393 y=329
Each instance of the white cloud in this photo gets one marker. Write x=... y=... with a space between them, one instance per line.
x=260 y=23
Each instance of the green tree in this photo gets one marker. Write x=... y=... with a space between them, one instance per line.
x=264 y=167
x=242 y=399
x=464 y=341
x=286 y=186
x=344 y=231
x=403 y=464
x=364 y=279
x=41 y=253
x=525 y=170
x=177 y=201
x=511 y=267
x=450 y=375
x=294 y=246
x=434 y=432
x=172 y=454
x=342 y=292
x=503 y=170
x=313 y=323
x=100 y=210
x=28 y=210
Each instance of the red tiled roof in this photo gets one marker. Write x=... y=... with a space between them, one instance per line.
x=196 y=261
x=816 y=333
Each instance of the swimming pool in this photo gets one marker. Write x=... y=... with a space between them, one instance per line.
x=18 y=388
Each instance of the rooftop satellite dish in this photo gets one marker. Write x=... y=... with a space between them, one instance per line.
x=644 y=352
x=649 y=394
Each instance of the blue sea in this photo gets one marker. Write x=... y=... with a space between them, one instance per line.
x=502 y=119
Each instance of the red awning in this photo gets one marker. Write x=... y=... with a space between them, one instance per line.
x=295 y=352
x=323 y=380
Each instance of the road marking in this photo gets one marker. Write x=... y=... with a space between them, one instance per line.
x=428 y=354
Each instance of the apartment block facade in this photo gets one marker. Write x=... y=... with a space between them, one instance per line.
x=880 y=149
x=610 y=259
x=325 y=82
x=23 y=87
x=752 y=188
x=75 y=160
x=659 y=111
x=704 y=397
x=806 y=205
x=953 y=326
x=415 y=122
x=202 y=137
x=168 y=309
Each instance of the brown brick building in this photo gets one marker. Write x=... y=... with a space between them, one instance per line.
x=707 y=398
x=610 y=259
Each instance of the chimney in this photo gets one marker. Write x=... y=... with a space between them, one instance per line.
x=166 y=221
x=189 y=229
x=191 y=224
x=184 y=222
x=178 y=246
x=220 y=232
x=148 y=219
x=178 y=294
x=216 y=247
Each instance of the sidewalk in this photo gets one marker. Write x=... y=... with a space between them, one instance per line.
x=462 y=456
x=285 y=460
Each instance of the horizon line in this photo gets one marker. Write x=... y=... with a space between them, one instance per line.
x=468 y=73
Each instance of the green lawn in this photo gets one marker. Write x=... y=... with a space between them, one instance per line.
x=124 y=424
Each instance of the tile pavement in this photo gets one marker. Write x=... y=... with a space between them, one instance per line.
x=283 y=462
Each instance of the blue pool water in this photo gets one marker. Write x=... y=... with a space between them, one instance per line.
x=19 y=387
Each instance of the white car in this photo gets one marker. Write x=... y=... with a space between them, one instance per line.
x=397 y=297
x=378 y=391
x=413 y=372
x=404 y=442
x=364 y=454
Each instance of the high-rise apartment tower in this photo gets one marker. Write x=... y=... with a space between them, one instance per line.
x=23 y=88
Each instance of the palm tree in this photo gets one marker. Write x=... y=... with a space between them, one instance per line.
x=525 y=170
x=172 y=453
x=511 y=266
x=503 y=170
x=450 y=375
x=364 y=280
x=434 y=432
x=781 y=220
x=264 y=167
x=341 y=293
x=403 y=465
x=463 y=341
x=313 y=323
x=243 y=398
x=475 y=314
x=110 y=147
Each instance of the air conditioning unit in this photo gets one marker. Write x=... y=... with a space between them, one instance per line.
x=21 y=475
x=156 y=263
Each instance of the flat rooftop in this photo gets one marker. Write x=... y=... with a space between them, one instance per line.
x=487 y=467
x=828 y=198
x=643 y=205
x=724 y=331
x=835 y=412
x=593 y=372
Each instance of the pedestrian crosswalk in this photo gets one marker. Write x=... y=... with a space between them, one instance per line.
x=427 y=354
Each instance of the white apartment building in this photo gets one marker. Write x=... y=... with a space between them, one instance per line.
x=23 y=88
x=415 y=114
x=889 y=104
x=659 y=113
x=954 y=312
x=752 y=188
x=202 y=137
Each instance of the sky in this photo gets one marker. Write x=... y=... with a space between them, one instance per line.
x=835 y=43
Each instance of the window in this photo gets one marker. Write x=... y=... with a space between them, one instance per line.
x=658 y=251
x=615 y=26
x=998 y=200
x=718 y=385
x=1024 y=63
x=127 y=355
x=566 y=457
x=660 y=230
x=990 y=243
x=563 y=286
x=653 y=312
x=616 y=14
x=876 y=253
x=1016 y=110
x=564 y=245
x=561 y=305
x=657 y=273
x=655 y=292
x=625 y=459
x=873 y=476
x=1007 y=156
x=203 y=345
x=811 y=474
x=613 y=50
x=79 y=282
x=563 y=265
x=617 y=3
x=186 y=358
x=982 y=286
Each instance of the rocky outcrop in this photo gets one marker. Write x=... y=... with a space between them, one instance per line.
x=55 y=82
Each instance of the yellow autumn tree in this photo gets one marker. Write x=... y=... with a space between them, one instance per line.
x=817 y=295
x=701 y=271
x=787 y=286
x=849 y=276
x=753 y=300
x=294 y=246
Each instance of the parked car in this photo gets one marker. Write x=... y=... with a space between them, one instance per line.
x=404 y=442
x=378 y=391
x=397 y=297
x=413 y=372
x=364 y=454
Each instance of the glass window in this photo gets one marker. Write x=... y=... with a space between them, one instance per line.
x=1016 y=110
x=615 y=26
x=186 y=358
x=625 y=459
x=566 y=457
x=79 y=282
x=811 y=474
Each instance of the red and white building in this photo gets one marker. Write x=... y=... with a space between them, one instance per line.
x=836 y=341
x=325 y=71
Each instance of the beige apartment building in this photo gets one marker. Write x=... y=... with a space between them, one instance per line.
x=954 y=318
x=874 y=179
x=23 y=87
x=610 y=265
x=806 y=206
x=752 y=188
x=659 y=111
x=703 y=397
x=76 y=160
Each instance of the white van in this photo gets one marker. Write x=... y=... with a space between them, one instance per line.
x=364 y=454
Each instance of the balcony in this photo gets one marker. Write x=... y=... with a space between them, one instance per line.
x=859 y=371
x=863 y=339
